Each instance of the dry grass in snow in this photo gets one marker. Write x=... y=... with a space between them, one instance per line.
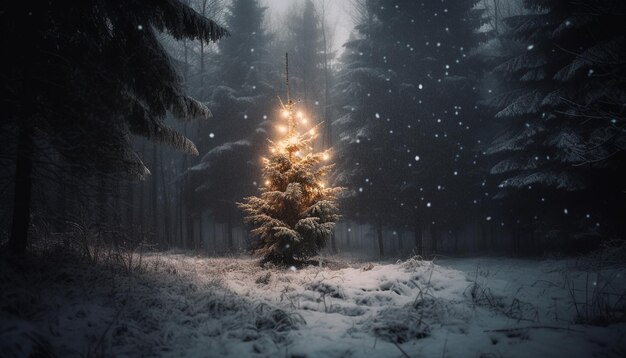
x=176 y=304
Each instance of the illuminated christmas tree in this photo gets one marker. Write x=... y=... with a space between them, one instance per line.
x=295 y=214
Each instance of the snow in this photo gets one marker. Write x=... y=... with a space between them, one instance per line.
x=177 y=304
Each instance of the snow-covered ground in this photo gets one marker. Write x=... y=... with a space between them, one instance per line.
x=176 y=304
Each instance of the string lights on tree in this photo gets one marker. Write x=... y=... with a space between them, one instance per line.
x=295 y=214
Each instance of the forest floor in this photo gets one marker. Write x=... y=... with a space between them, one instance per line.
x=178 y=304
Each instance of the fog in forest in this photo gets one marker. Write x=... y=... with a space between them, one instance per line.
x=352 y=171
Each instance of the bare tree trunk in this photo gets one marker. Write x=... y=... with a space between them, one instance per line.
x=434 y=237
x=190 y=236
x=166 y=204
x=214 y=235
x=483 y=237
x=129 y=209
x=155 y=194
x=61 y=209
x=455 y=236
x=23 y=188
x=419 y=247
x=142 y=224
x=379 y=229
x=102 y=202
x=200 y=242
x=328 y=140
x=229 y=227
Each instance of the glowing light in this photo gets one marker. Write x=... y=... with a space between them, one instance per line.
x=285 y=113
x=293 y=140
x=325 y=156
x=267 y=182
x=304 y=120
x=312 y=131
x=282 y=129
x=322 y=185
x=299 y=114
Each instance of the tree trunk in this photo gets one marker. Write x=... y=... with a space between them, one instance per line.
x=379 y=229
x=483 y=236
x=166 y=204
x=229 y=227
x=419 y=247
x=200 y=242
x=142 y=224
x=328 y=134
x=61 y=209
x=130 y=225
x=23 y=189
x=102 y=203
x=348 y=231
x=155 y=194
x=214 y=235
x=434 y=237
x=455 y=236
x=190 y=238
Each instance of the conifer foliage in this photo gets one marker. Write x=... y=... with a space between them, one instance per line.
x=85 y=78
x=295 y=214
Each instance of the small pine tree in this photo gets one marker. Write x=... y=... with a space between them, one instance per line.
x=295 y=214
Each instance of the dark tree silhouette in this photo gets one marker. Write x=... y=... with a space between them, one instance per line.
x=85 y=77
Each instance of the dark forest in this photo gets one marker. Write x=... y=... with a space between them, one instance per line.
x=313 y=178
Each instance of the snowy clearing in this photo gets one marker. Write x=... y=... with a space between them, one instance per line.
x=181 y=305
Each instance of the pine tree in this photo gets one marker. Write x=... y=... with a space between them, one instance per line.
x=86 y=77
x=408 y=91
x=548 y=157
x=239 y=101
x=306 y=47
x=295 y=214
x=368 y=163
x=242 y=76
x=441 y=137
